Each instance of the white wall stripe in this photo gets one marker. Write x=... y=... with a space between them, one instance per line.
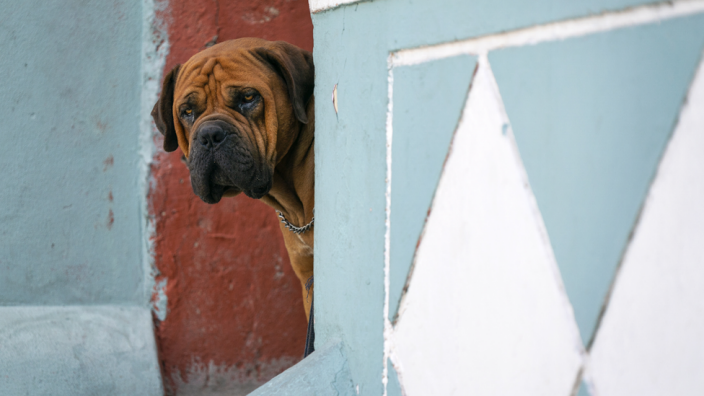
x=155 y=46
x=550 y=32
x=387 y=224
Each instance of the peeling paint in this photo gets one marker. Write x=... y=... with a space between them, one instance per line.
x=108 y=163
x=212 y=379
x=111 y=219
x=334 y=98
x=160 y=300
x=324 y=5
x=263 y=16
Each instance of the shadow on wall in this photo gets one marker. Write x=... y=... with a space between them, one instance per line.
x=233 y=317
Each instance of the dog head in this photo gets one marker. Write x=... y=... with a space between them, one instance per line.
x=234 y=110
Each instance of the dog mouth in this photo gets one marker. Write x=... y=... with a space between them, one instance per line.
x=210 y=183
x=218 y=191
x=230 y=191
x=214 y=195
x=212 y=186
x=259 y=191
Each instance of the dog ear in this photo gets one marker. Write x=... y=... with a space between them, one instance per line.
x=162 y=113
x=296 y=67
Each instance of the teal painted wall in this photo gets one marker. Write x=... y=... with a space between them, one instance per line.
x=352 y=44
x=70 y=220
x=592 y=116
x=78 y=351
x=74 y=295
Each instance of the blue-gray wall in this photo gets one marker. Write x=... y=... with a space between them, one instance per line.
x=71 y=200
x=69 y=192
x=623 y=88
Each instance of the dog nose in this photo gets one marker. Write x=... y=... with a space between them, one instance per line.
x=211 y=136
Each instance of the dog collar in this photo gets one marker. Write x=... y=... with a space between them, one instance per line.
x=293 y=228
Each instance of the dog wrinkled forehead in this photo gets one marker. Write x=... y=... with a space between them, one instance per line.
x=256 y=60
x=213 y=72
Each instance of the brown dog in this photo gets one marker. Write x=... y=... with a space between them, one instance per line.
x=242 y=113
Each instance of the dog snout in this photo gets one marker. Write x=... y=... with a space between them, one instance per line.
x=211 y=136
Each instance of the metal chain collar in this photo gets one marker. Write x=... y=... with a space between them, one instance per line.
x=293 y=228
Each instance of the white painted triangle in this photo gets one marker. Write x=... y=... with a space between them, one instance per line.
x=485 y=313
x=651 y=340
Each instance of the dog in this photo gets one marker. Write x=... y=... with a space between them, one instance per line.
x=242 y=113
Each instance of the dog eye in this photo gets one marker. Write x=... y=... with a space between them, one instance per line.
x=248 y=97
x=187 y=115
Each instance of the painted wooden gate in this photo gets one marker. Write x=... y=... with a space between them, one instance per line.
x=509 y=199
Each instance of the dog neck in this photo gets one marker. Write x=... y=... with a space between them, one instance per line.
x=293 y=189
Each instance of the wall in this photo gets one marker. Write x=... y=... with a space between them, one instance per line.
x=228 y=309
x=103 y=242
x=506 y=197
x=508 y=203
x=74 y=283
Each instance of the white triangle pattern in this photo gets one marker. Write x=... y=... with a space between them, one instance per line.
x=651 y=340
x=485 y=313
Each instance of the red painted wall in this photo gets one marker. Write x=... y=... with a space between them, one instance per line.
x=235 y=317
